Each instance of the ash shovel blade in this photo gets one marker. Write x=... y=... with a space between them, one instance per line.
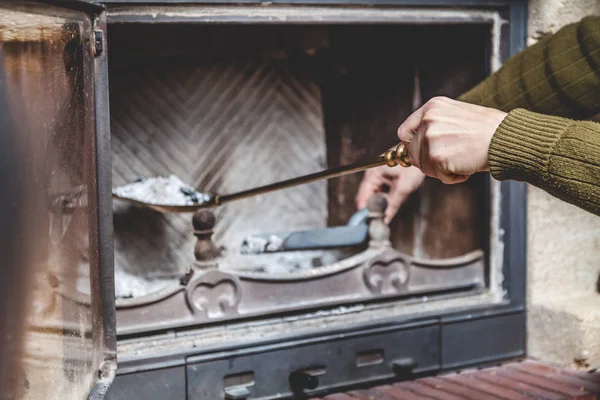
x=163 y=194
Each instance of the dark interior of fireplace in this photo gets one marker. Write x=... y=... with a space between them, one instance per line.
x=228 y=107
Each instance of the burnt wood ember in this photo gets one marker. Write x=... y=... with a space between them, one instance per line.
x=524 y=380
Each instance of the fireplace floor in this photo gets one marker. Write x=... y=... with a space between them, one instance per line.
x=523 y=380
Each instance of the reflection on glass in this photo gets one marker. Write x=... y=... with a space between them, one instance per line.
x=44 y=53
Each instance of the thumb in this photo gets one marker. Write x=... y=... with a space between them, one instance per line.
x=366 y=189
x=409 y=127
x=409 y=135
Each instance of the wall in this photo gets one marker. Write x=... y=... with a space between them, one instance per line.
x=563 y=245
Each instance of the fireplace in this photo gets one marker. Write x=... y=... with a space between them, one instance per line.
x=271 y=102
x=294 y=293
x=227 y=98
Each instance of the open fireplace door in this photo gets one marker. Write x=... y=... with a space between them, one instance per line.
x=58 y=315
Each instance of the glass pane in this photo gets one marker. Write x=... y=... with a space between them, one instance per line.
x=46 y=54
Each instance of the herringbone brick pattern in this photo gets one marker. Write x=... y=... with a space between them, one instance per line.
x=222 y=128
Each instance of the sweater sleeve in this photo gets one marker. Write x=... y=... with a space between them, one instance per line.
x=558 y=155
x=559 y=75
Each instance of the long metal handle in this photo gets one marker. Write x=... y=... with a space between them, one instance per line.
x=391 y=158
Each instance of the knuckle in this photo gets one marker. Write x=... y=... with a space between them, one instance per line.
x=437 y=100
x=403 y=134
x=437 y=157
x=405 y=138
x=428 y=117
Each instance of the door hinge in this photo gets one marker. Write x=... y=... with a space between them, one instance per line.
x=98 y=42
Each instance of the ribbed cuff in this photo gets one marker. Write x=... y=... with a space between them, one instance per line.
x=522 y=144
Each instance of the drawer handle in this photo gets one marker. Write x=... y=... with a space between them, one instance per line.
x=238 y=393
x=403 y=366
x=302 y=380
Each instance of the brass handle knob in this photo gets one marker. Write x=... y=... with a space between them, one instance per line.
x=397 y=157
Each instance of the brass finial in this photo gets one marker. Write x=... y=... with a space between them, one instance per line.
x=397 y=157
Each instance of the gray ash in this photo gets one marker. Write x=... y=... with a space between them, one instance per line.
x=162 y=191
x=259 y=245
x=129 y=286
x=280 y=263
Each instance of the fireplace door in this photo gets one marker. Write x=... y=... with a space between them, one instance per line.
x=51 y=59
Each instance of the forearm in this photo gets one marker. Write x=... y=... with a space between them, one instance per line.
x=559 y=75
x=558 y=155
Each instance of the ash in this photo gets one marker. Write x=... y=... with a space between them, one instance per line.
x=162 y=191
x=280 y=263
x=259 y=245
x=128 y=286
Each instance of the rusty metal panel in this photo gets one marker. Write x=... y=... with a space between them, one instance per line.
x=211 y=123
x=217 y=295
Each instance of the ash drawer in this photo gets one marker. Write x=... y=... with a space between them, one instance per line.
x=315 y=364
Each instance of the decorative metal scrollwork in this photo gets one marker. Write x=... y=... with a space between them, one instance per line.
x=214 y=293
x=387 y=274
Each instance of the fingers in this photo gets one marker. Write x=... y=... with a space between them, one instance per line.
x=365 y=191
x=442 y=141
x=395 y=199
x=373 y=182
x=408 y=133
x=409 y=181
x=452 y=179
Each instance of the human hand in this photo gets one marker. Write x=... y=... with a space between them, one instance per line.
x=449 y=139
x=400 y=181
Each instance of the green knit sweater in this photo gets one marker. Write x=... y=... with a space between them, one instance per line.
x=558 y=76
